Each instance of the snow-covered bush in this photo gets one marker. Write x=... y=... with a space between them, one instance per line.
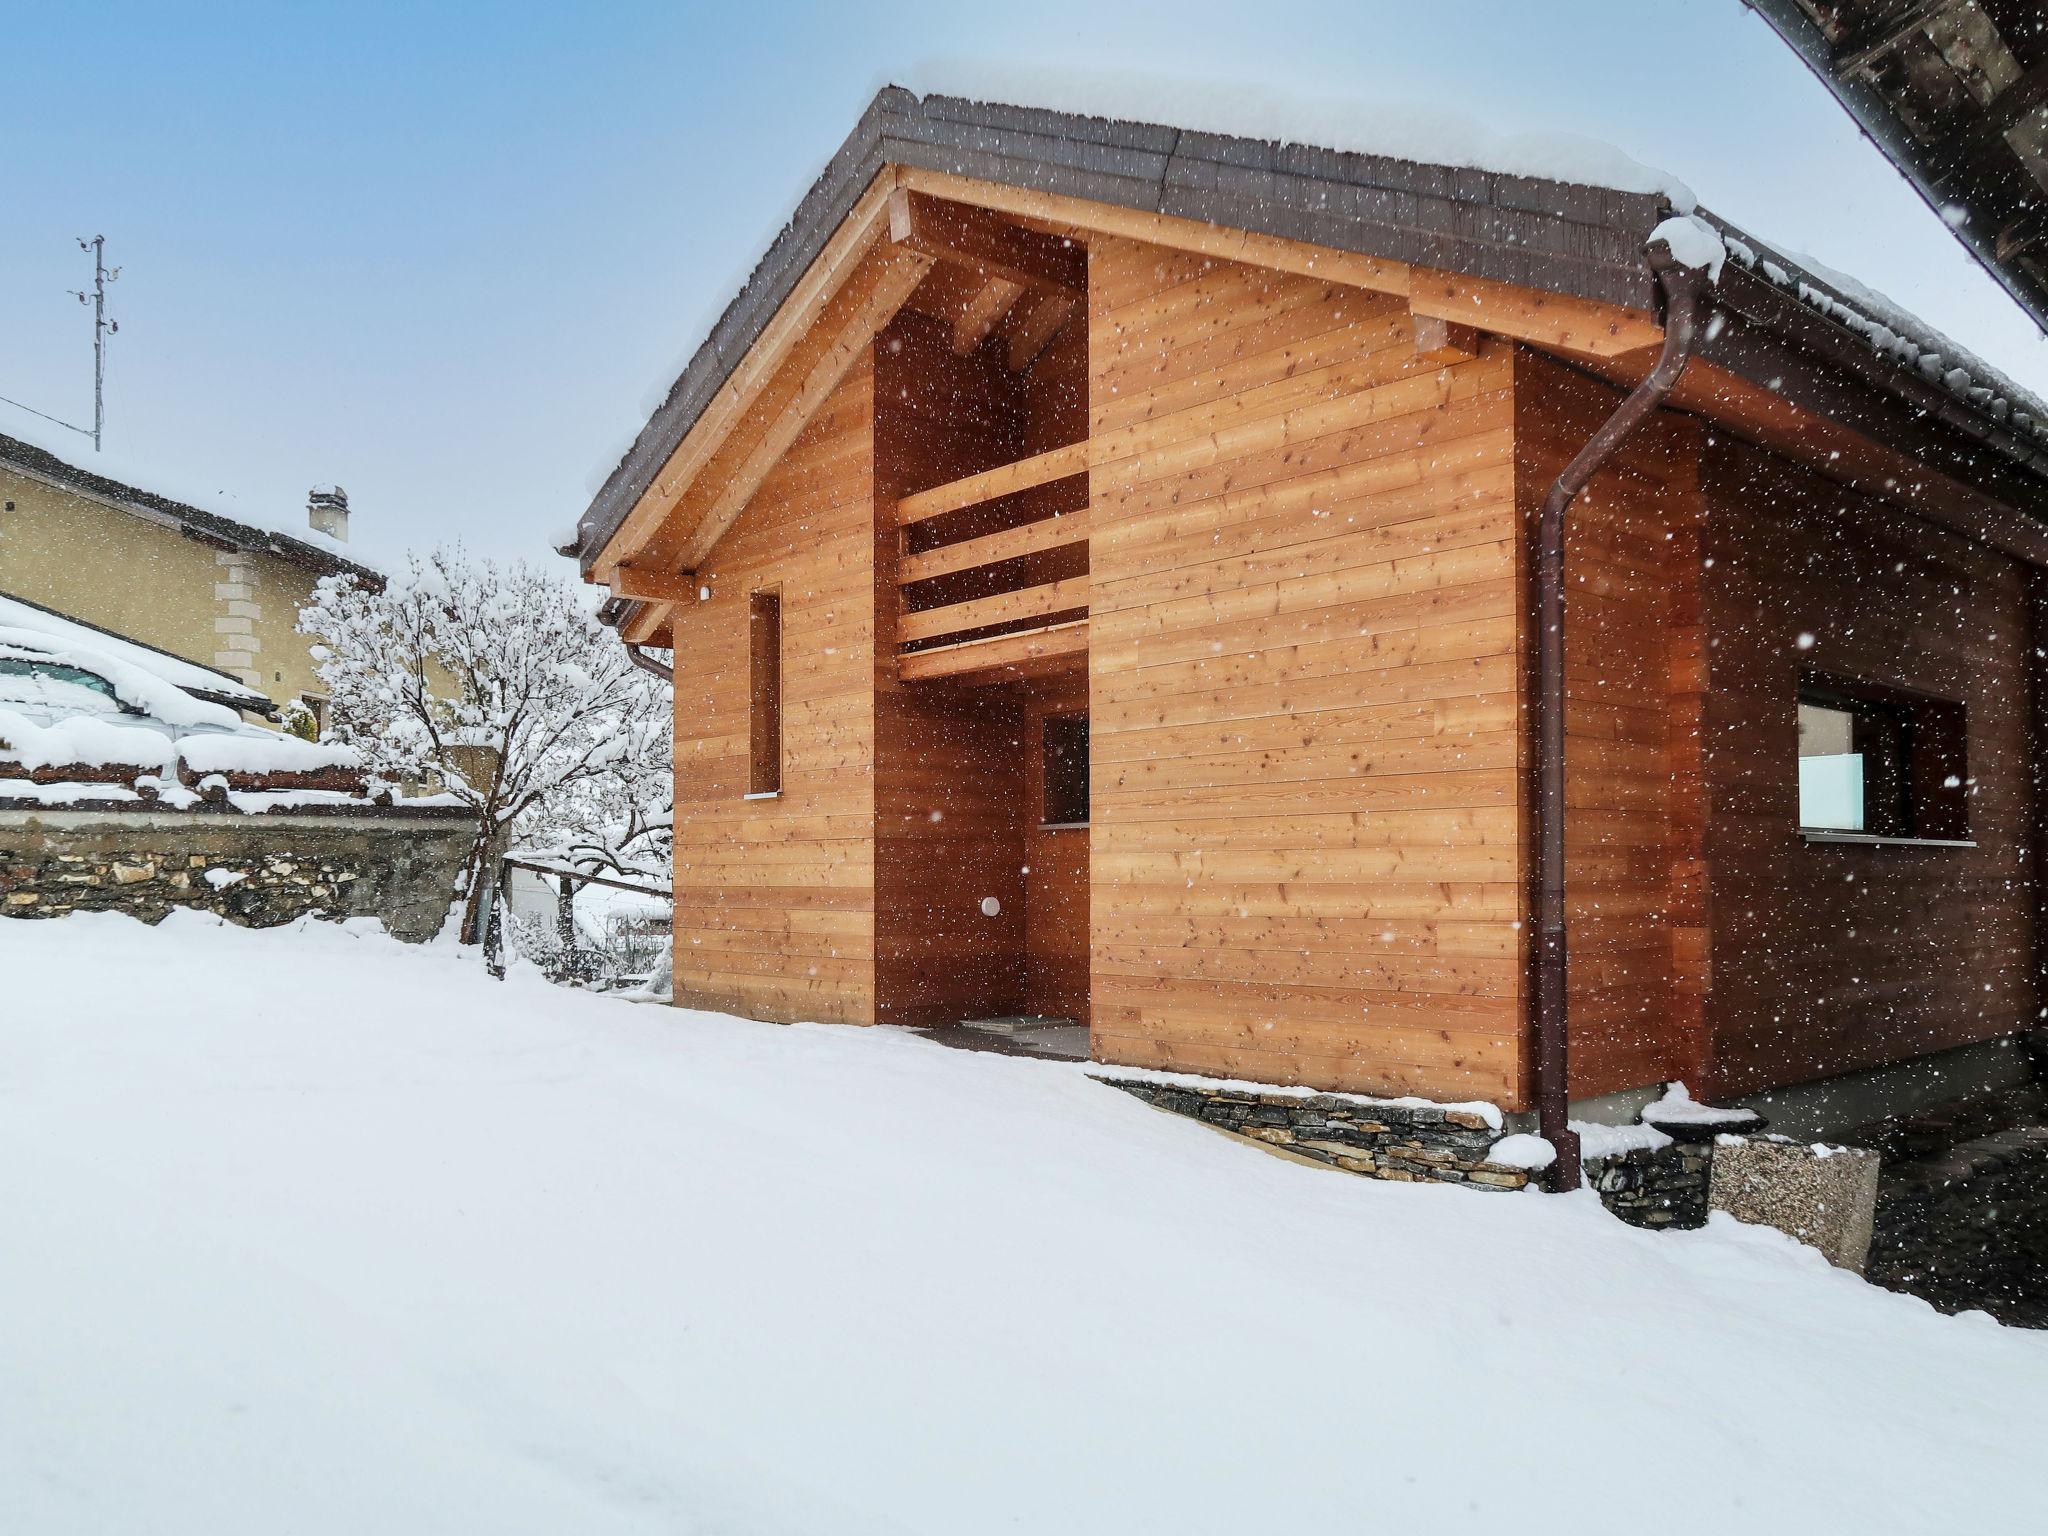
x=497 y=681
x=297 y=719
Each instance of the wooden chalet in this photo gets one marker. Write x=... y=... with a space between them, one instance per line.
x=1101 y=563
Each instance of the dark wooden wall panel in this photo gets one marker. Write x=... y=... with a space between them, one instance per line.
x=1056 y=882
x=1624 y=574
x=1830 y=958
x=949 y=777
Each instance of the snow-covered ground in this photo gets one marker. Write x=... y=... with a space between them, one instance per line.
x=309 y=1232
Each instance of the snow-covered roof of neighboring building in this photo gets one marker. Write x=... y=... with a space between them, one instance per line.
x=201 y=682
x=86 y=716
x=1567 y=215
x=312 y=550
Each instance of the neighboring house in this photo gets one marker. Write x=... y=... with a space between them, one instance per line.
x=218 y=592
x=1955 y=92
x=1103 y=566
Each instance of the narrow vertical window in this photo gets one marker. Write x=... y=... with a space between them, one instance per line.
x=764 y=693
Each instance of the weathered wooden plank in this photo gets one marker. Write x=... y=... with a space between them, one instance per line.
x=1055 y=532
x=1026 y=603
x=998 y=656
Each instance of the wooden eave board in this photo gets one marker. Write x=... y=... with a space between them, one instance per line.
x=1772 y=422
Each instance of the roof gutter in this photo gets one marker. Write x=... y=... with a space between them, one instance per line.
x=646 y=663
x=1685 y=306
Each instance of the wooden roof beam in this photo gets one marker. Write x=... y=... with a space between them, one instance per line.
x=984 y=312
x=650 y=625
x=1438 y=340
x=978 y=238
x=1535 y=315
x=1033 y=325
x=1532 y=314
x=644 y=584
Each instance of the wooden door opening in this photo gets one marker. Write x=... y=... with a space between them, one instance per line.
x=1055 y=743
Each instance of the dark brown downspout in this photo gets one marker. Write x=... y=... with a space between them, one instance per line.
x=1685 y=301
x=647 y=663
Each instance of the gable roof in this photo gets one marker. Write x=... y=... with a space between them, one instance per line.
x=1563 y=237
x=45 y=465
x=1956 y=96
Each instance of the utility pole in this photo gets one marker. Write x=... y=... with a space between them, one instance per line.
x=102 y=328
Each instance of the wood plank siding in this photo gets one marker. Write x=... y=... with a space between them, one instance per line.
x=1275 y=539
x=1827 y=958
x=1623 y=571
x=1304 y=686
x=775 y=897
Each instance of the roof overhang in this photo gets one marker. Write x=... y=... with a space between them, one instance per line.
x=1505 y=252
x=1956 y=96
x=1556 y=265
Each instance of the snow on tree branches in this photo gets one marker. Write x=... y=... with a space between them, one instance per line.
x=496 y=680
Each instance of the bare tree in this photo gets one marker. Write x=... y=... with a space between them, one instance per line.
x=497 y=681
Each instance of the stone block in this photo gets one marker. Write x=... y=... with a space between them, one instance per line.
x=1826 y=1200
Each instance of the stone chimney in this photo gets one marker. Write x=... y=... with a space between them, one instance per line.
x=327 y=511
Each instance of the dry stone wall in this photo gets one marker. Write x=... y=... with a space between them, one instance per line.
x=395 y=864
x=1404 y=1142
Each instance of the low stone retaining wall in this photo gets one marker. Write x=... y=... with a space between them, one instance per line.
x=1820 y=1195
x=1655 y=1186
x=1380 y=1139
x=395 y=863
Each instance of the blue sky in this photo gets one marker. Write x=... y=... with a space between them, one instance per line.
x=447 y=255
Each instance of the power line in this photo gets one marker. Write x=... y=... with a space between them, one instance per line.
x=67 y=426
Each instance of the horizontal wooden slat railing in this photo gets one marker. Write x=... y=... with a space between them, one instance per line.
x=1004 y=480
x=1025 y=603
x=1055 y=532
x=1036 y=624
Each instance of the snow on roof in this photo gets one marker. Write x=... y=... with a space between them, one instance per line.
x=1423 y=132
x=114 y=477
x=62 y=631
x=1892 y=331
x=137 y=685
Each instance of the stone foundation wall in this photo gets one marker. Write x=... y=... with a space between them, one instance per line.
x=1380 y=1140
x=394 y=864
x=1655 y=1187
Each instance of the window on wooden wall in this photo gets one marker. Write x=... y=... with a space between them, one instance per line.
x=764 y=693
x=1066 y=770
x=1881 y=761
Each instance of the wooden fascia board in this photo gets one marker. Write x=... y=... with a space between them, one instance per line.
x=863 y=229
x=876 y=297
x=1535 y=315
